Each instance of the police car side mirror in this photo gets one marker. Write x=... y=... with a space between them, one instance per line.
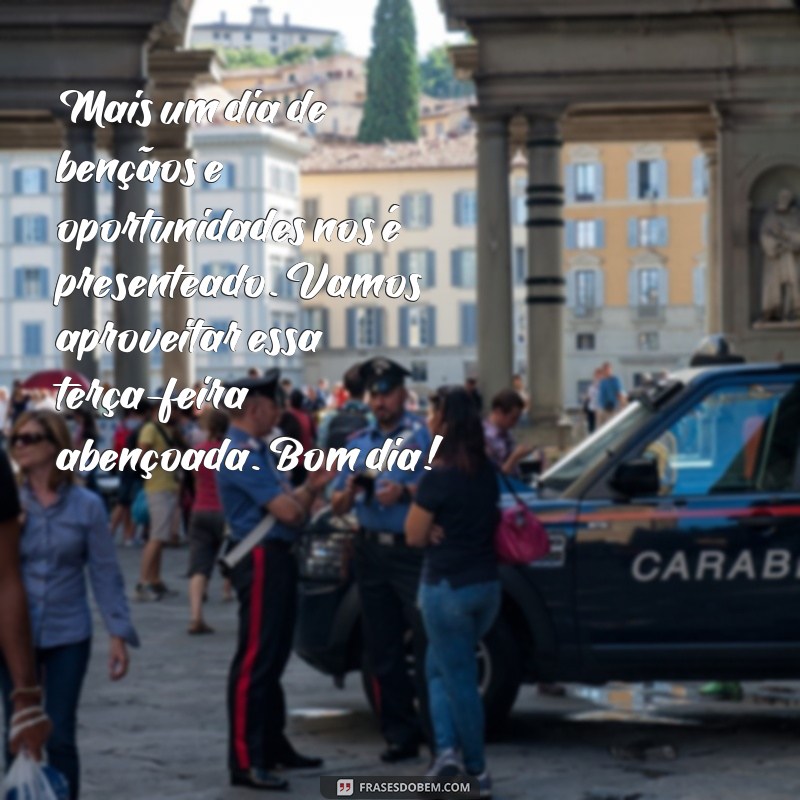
x=636 y=478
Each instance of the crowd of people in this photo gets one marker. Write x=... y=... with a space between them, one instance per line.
x=423 y=558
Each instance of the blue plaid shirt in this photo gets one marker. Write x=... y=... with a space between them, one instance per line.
x=59 y=542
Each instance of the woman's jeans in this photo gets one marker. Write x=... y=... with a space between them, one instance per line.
x=61 y=671
x=455 y=621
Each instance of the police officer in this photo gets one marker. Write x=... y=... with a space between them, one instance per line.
x=387 y=570
x=265 y=582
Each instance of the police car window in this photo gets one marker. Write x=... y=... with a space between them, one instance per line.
x=609 y=439
x=737 y=439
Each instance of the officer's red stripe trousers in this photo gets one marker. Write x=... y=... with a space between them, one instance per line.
x=251 y=652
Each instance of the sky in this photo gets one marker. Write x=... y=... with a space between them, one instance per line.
x=355 y=23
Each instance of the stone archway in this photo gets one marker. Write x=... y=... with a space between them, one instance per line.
x=117 y=47
x=722 y=72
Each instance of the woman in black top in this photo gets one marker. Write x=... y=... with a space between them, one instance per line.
x=454 y=517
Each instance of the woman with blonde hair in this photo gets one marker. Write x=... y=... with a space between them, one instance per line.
x=65 y=532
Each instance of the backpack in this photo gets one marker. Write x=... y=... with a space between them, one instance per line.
x=343 y=425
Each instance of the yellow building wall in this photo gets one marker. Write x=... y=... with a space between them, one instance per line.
x=683 y=253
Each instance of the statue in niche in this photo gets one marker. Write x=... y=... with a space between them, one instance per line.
x=780 y=243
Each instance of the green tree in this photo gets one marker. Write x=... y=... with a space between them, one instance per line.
x=330 y=48
x=392 y=107
x=296 y=55
x=438 y=77
x=247 y=58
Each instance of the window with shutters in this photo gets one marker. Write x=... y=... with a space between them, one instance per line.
x=466 y=208
x=281 y=284
x=469 y=324
x=225 y=180
x=586 y=234
x=362 y=206
x=650 y=179
x=648 y=232
x=584 y=341
x=311 y=210
x=417 y=210
x=316 y=319
x=30 y=229
x=32 y=339
x=290 y=181
x=648 y=341
x=700 y=176
x=419 y=262
x=30 y=180
x=417 y=326
x=30 y=283
x=585 y=292
x=465 y=268
x=586 y=182
x=214 y=215
x=649 y=287
x=275 y=175
x=362 y=263
x=419 y=371
x=224 y=349
x=367 y=327
x=220 y=269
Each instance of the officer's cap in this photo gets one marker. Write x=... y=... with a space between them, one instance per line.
x=266 y=385
x=382 y=375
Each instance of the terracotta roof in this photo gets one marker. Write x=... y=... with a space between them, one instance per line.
x=449 y=153
x=458 y=152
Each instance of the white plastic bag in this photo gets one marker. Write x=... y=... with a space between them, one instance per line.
x=26 y=781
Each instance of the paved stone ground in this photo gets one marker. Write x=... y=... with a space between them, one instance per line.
x=161 y=733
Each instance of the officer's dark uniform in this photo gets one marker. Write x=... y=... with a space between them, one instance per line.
x=387 y=572
x=266 y=587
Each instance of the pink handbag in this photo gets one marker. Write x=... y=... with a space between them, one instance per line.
x=520 y=538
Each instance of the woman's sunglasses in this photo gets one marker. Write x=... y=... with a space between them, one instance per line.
x=26 y=439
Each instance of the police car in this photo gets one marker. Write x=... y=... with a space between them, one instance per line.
x=675 y=549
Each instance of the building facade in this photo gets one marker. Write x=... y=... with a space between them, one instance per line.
x=260 y=173
x=340 y=80
x=261 y=33
x=634 y=254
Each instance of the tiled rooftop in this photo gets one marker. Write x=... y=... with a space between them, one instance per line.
x=458 y=152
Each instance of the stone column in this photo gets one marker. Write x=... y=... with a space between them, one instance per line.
x=495 y=307
x=130 y=258
x=545 y=276
x=713 y=266
x=80 y=202
x=176 y=310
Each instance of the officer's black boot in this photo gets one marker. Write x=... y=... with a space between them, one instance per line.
x=258 y=778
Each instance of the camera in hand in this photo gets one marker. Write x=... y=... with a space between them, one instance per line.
x=366 y=481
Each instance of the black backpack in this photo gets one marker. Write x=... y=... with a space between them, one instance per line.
x=343 y=425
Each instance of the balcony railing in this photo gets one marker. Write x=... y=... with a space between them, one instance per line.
x=649 y=311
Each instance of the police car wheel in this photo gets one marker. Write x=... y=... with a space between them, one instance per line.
x=499 y=673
